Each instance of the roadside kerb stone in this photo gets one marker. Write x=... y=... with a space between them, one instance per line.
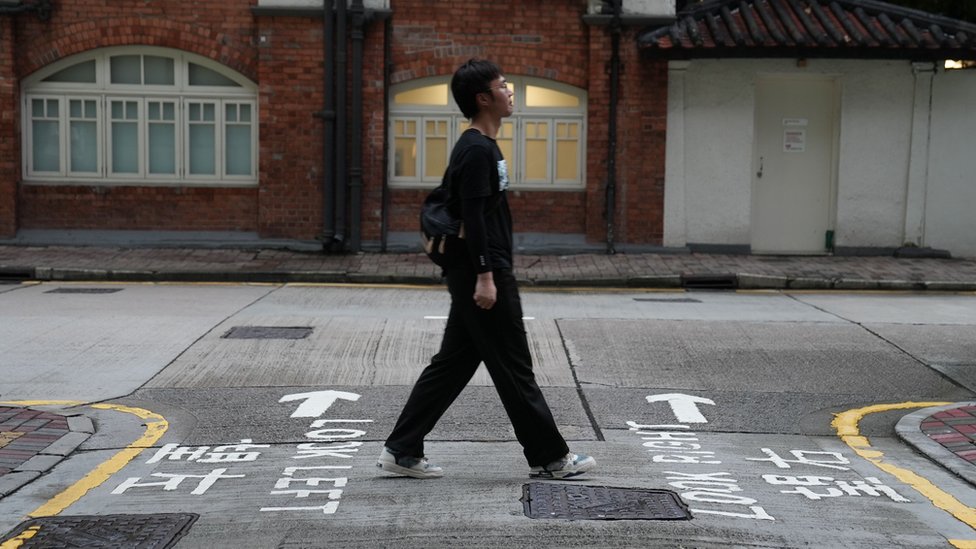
x=654 y=281
x=901 y=285
x=749 y=281
x=856 y=284
x=949 y=286
x=808 y=283
x=11 y=482
x=909 y=429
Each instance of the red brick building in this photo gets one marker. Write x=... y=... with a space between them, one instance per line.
x=270 y=119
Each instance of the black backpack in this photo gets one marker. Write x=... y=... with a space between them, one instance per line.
x=441 y=229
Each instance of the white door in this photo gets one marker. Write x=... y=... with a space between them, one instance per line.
x=794 y=164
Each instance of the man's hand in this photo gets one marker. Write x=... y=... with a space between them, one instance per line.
x=484 y=291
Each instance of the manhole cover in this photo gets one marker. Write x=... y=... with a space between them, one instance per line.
x=668 y=300
x=83 y=291
x=268 y=332
x=568 y=501
x=157 y=531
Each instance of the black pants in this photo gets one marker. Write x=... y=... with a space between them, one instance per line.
x=497 y=338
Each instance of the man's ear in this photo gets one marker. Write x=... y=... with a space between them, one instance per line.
x=482 y=99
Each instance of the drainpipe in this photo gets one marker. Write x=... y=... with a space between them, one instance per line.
x=328 y=116
x=611 y=198
x=356 y=142
x=387 y=70
x=341 y=173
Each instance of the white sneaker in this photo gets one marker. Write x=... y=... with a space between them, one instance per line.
x=407 y=465
x=571 y=465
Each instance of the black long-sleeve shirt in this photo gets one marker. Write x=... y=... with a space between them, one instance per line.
x=480 y=175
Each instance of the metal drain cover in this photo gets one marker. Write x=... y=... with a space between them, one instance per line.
x=83 y=291
x=568 y=501
x=268 y=332
x=158 y=531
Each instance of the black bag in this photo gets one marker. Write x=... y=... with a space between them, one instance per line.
x=441 y=229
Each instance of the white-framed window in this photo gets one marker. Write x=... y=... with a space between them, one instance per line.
x=140 y=115
x=542 y=142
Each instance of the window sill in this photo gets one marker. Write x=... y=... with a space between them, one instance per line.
x=136 y=183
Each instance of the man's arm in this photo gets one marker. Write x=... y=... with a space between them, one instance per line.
x=476 y=235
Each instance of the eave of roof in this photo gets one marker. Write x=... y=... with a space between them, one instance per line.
x=858 y=29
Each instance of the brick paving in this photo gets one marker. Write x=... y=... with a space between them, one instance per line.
x=25 y=433
x=955 y=430
x=624 y=269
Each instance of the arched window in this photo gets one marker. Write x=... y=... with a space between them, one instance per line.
x=139 y=115
x=543 y=141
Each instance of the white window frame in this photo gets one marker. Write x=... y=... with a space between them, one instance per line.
x=521 y=115
x=102 y=91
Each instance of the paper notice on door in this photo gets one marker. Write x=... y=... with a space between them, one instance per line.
x=794 y=140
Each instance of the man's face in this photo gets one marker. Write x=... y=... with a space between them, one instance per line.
x=502 y=98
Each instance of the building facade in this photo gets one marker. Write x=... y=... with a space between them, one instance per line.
x=638 y=126
x=272 y=119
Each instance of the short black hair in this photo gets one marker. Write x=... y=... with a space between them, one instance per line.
x=469 y=80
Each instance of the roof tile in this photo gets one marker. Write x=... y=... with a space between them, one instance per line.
x=810 y=28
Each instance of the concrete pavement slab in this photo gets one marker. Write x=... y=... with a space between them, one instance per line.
x=724 y=356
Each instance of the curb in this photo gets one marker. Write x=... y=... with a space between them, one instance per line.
x=691 y=280
x=80 y=428
x=909 y=429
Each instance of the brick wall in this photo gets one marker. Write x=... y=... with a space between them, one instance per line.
x=285 y=55
x=137 y=208
x=9 y=136
x=221 y=30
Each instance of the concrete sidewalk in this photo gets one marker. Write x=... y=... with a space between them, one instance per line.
x=646 y=270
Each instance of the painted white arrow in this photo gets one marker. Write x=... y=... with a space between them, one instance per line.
x=318 y=402
x=685 y=407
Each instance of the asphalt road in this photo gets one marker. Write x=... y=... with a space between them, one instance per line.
x=262 y=408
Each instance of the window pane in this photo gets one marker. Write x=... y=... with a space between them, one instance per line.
x=567 y=151
x=125 y=152
x=37 y=108
x=83 y=136
x=84 y=147
x=126 y=69
x=537 y=96
x=238 y=150
x=435 y=148
x=202 y=149
x=405 y=161
x=82 y=73
x=202 y=76
x=566 y=161
x=405 y=148
x=162 y=137
x=45 y=145
x=158 y=70
x=162 y=148
x=504 y=140
x=536 y=150
x=429 y=95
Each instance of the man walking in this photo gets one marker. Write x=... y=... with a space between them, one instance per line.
x=485 y=320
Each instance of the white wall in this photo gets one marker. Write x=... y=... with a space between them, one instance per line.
x=950 y=209
x=875 y=140
x=715 y=174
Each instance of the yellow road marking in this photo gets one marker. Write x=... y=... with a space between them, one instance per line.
x=156 y=426
x=15 y=542
x=847 y=426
